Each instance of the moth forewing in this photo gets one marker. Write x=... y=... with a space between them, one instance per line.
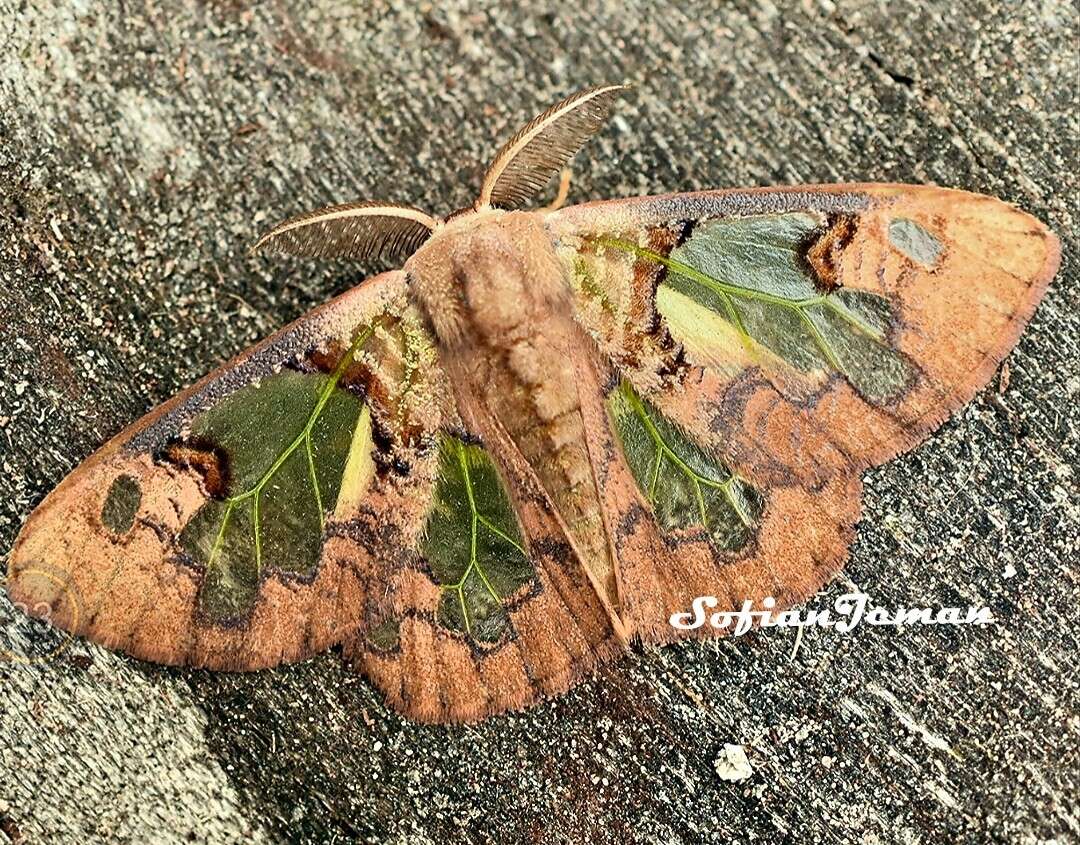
x=208 y=533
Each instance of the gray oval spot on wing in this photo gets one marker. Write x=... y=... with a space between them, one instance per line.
x=915 y=241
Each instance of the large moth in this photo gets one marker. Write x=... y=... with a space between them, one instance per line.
x=488 y=472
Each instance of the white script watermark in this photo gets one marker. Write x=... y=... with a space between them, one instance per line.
x=848 y=610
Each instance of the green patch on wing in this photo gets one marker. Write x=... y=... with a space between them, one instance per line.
x=687 y=487
x=287 y=440
x=386 y=636
x=473 y=544
x=751 y=271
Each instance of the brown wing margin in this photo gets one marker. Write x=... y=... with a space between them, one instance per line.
x=961 y=274
x=113 y=553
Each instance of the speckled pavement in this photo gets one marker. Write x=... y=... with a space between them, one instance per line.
x=142 y=150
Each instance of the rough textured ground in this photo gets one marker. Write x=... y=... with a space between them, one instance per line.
x=142 y=148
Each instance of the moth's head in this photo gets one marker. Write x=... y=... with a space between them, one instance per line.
x=521 y=168
x=484 y=272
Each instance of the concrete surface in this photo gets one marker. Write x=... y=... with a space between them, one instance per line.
x=143 y=146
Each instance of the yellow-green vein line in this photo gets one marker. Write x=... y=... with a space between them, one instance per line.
x=819 y=339
x=255 y=531
x=714 y=285
x=656 y=471
x=476 y=519
x=494 y=529
x=314 y=480
x=658 y=439
x=214 y=549
x=663 y=450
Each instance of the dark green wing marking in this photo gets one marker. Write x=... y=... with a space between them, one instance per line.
x=473 y=543
x=687 y=486
x=286 y=441
x=121 y=504
x=752 y=272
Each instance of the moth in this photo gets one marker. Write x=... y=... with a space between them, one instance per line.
x=487 y=473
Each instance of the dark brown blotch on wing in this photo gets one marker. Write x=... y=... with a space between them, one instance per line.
x=825 y=253
x=210 y=461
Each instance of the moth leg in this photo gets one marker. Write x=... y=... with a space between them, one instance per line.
x=563 y=192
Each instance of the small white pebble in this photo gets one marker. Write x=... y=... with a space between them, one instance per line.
x=732 y=764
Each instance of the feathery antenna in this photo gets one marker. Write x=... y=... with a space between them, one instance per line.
x=358 y=230
x=528 y=160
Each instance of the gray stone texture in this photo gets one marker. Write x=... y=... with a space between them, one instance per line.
x=144 y=145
